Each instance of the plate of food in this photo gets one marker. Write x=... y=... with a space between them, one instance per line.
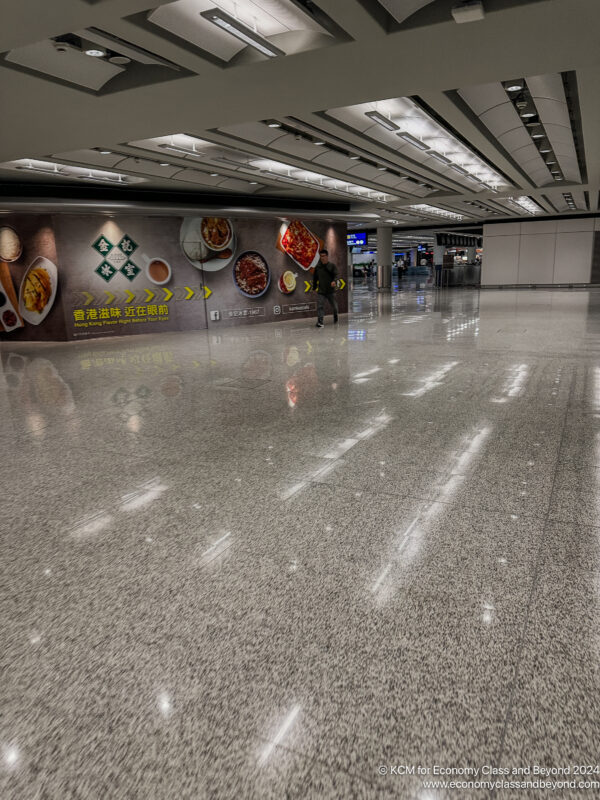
x=207 y=242
x=38 y=290
x=251 y=274
x=300 y=244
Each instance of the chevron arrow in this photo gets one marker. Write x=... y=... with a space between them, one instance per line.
x=130 y=296
x=207 y=292
x=308 y=286
x=190 y=293
x=89 y=298
x=109 y=298
x=168 y=294
x=342 y=283
x=149 y=295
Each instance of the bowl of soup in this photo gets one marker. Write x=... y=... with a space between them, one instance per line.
x=158 y=271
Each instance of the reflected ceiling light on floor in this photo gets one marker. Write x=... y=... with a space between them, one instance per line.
x=241 y=31
x=379 y=118
x=413 y=140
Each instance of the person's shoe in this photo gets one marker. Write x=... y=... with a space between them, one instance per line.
x=319 y=325
x=335 y=320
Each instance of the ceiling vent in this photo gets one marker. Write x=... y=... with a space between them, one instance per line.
x=469 y=11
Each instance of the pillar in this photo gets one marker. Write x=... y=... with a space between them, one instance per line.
x=384 y=259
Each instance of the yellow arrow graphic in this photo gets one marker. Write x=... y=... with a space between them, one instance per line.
x=168 y=294
x=207 y=292
x=149 y=295
x=190 y=293
x=109 y=298
x=130 y=296
x=342 y=283
x=89 y=298
x=308 y=286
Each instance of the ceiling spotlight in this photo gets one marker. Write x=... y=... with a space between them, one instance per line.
x=95 y=53
x=319 y=143
x=528 y=114
x=550 y=163
x=242 y=32
x=354 y=158
x=105 y=152
x=537 y=135
x=253 y=183
x=214 y=174
x=545 y=150
x=382 y=169
x=412 y=140
x=515 y=87
x=272 y=123
x=381 y=120
x=164 y=164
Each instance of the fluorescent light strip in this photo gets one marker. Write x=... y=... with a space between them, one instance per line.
x=381 y=120
x=440 y=157
x=182 y=150
x=242 y=32
x=413 y=140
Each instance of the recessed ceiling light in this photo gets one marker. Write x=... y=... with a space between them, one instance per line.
x=95 y=53
x=550 y=163
x=382 y=169
x=546 y=150
x=528 y=114
x=214 y=174
x=440 y=157
x=537 y=135
x=319 y=143
x=106 y=152
x=412 y=140
x=253 y=183
x=380 y=119
x=164 y=164
x=242 y=32
x=354 y=158
x=515 y=87
x=272 y=123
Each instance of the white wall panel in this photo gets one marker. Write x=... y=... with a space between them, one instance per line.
x=507 y=229
x=538 y=226
x=570 y=225
x=500 y=263
x=573 y=257
x=536 y=258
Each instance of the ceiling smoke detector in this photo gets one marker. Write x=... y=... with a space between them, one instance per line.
x=468 y=11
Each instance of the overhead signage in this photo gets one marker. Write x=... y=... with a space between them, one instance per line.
x=357 y=239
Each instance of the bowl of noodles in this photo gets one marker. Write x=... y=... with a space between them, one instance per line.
x=251 y=274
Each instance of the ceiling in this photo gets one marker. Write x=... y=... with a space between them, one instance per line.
x=378 y=111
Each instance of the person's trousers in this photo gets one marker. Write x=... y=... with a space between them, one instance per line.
x=321 y=305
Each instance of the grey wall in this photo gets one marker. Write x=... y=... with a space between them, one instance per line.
x=538 y=251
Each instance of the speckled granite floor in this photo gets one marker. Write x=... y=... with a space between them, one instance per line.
x=275 y=562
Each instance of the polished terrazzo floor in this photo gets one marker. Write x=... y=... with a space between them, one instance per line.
x=271 y=562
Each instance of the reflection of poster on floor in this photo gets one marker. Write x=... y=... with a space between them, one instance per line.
x=73 y=277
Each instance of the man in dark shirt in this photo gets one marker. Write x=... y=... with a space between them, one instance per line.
x=324 y=283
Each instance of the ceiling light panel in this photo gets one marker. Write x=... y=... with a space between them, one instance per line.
x=52 y=168
x=494 y=105
x=207 y=154
x=71 y=65
x=435 y=211
x=415 y=135
x=266 y=18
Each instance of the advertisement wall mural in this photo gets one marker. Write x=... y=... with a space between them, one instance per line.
x=73 y=277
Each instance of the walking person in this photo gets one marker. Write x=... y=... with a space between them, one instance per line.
x=325 y=283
